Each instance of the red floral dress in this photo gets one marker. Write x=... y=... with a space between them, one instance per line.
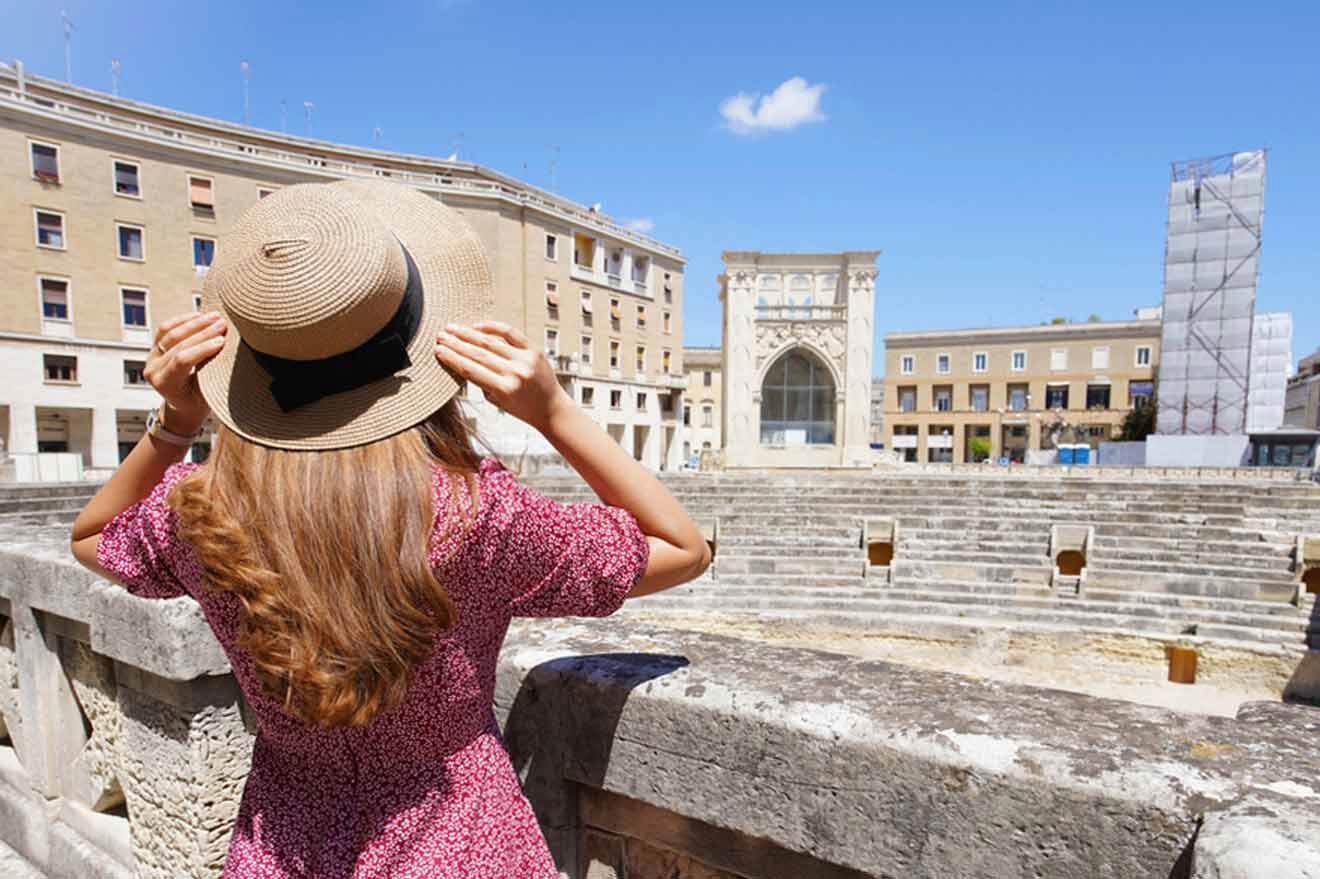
x=425 y=789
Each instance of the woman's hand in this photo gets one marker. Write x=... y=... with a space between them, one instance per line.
x=495 y=357
x=182 y=344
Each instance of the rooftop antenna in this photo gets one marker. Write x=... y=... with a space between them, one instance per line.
x=68 y=45
x=554 y=161
x=456 y=143
x=375 y=135
x=114 y=76
x=246 y=70
x=308 y=106
x=284 y=115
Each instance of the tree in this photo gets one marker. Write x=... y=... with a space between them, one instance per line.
x=1139 y=423
x=1059 y=320
x=1094 y=319
x=979 y=446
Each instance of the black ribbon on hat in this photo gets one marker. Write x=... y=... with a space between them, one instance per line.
x=296 y=383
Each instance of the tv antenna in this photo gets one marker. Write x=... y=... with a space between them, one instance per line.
x=456 y=143
x=308 y=106
x=375 y=135
x=284 y=115
x=246 y=70
x=114 y=76
x=68 y=45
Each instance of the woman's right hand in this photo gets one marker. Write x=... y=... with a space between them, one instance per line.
x=496 y=358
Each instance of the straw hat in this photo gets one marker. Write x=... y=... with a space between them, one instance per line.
x=334 y=294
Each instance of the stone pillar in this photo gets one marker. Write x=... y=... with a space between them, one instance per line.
x=22 y=429
x=857 y=378
x=740 y=391
x=105 y=438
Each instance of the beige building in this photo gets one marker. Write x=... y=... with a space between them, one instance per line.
x=703 y=411
x=1302 y=404
x=797 y=358
x=114 y=210
x=968 y=395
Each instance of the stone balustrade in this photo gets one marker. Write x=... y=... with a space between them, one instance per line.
x=651 y=752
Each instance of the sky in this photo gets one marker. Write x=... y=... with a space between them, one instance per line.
x=1010 y=160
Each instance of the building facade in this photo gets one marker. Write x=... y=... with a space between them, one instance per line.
x=114 y=210
x=1302 y=406
x=977 y=394
x=703 y=411
x=798 y=342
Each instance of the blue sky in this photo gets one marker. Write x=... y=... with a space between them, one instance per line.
x=1009 y=159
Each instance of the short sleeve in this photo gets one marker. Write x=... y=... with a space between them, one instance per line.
x=139 y=547
x=553 y=559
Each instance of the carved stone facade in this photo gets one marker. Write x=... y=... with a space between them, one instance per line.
x=820 y=306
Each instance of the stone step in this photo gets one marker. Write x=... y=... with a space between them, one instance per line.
x=1252 y=548
x=784 y=581
x=750 y=550
x=907 y=570
x=787 y=564
x=43 y=504
x=827 y=538
x=1212 y=587
x=47 y=489
x=954 y=544
x=1252 y=565
x=1097 y=564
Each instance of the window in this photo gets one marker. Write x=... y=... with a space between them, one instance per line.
x=665 y=357
x=135 y=307
x=1017 y=398
x=943 y=398
x=641 y=317
x=980 y=361
x=46 y=162
x=133 y=372
x=552 y=342
x=907 y=364
x=980 y=397
x=127 y=181
x=1056 y=396
x=942 y=364
x=907 y=399
x=614 y=354
x=1143 y=355
x=641 y=358
x=1019 y=361
x=50 y=229
x=706 y=378
x=666 y=321
x=1097 y=396
x=552 y=248
x=585 y=354
x=616 y=399
x=1058 y=359
x=552 y=300
x=707 y=415
x=1140 y=394
x=132 y=244
x=1100 y=357
x=584 y=251
x=687 y=416
x=197 y=301
x=616 y=314
x=54 y=298
x=669 y=291
x=60 y=368
x=262 y=191
x=200 y=192
x=797 y=401
x=586 y=307
x=641 y=401
x=203 y=252
x=588 y=395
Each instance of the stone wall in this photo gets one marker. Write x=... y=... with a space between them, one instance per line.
x=650 y=752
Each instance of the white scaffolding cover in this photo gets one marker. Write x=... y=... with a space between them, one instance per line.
x=1210 y=270
x=1271 y=359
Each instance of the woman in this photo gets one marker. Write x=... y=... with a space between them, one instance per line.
x=357 y=560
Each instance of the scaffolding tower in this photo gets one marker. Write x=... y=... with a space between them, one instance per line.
x=1211 y=261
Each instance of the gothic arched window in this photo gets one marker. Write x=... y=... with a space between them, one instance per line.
x=797 y=401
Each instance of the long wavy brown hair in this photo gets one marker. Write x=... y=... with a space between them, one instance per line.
x=328 y=553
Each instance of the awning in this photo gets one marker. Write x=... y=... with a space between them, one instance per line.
x=199 y=193
x=586 y=304
x=552 y=298
x=616 y=313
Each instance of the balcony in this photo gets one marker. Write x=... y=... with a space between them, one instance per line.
x=582 y=273
x=801 y=312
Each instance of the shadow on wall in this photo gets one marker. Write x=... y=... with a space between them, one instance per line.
x=561 y=730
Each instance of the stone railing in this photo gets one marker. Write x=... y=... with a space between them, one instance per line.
x=1096 y=471
x=650 y=752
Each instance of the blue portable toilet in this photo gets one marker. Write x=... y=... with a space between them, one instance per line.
x=1081 y=454
x=1065 y=454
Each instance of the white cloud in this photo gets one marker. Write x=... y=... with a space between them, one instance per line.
x=794 y=102
x=641 y=224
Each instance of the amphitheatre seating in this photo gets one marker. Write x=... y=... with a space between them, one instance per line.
x=54 y=503
x=1186 y=560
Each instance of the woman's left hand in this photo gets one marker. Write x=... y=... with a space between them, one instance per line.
x=182 y=344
